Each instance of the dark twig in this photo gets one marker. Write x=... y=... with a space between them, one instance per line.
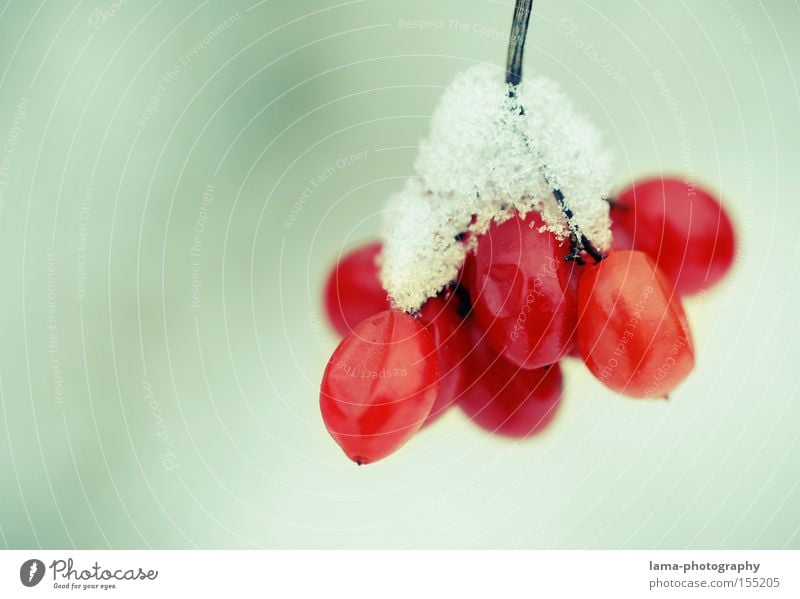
x=578 y=242
x=574 y=247
x=516 y=41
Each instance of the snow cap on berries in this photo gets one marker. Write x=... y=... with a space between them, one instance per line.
x=419 y=255
x=489 y=152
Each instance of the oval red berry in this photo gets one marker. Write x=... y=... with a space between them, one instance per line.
x=353 y=291
x=681 y=226
x=521 y=293
x=632 y=332
x=379 y=385
x=441 y=318
x=508 y=400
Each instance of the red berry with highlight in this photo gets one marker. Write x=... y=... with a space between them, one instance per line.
x=632 y=332
x=521 y=292
x=508 y=400
x=379 y=385
x=682 y=227
x=441 y=318
x=353 y=290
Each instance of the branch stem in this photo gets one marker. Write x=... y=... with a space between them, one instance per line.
x=516 y=47
x=516 y=41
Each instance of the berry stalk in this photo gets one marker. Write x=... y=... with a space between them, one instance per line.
x=516 y=41
x=578 y=242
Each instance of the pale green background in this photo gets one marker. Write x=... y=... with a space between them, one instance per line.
x=280 y=94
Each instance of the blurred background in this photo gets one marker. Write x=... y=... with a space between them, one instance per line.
x=177 y=177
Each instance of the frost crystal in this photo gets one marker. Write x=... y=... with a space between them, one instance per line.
x=490 y=152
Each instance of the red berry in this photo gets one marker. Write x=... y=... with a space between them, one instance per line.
x=632 y=332
x=379 y=385
x=353 y=290
x=520 y=292
x=441 y=318
x=508 y=400
x=681 y=226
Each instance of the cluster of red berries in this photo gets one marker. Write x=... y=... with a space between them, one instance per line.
x=491 y=342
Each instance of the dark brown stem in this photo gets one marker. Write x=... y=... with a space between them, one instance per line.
x=590 y=249
x=574 y=247
x=516 y=41
x=578 y=242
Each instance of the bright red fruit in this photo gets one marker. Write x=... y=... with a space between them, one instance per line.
x=521 y=294
x=632 y=332
x=441 y=318
x=681 y=226
x=379 y=385
x=508 y=400
x=353 y=290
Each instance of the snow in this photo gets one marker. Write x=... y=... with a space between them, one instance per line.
x=488 y=153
